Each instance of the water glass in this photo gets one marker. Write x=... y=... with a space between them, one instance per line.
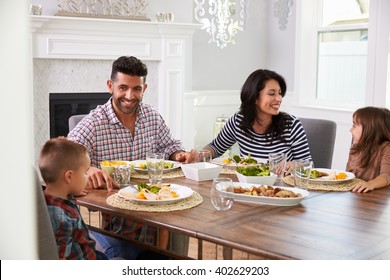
x=221 y=199
x=122 y=174
x=155 y=163
x=203 y=156
x=277 y=164
x=302 y=169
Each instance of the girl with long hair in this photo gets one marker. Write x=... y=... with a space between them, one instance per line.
x=369 y=156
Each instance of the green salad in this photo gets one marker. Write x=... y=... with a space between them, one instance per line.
x=259 y=170
x=244 y=160
x=152 y=188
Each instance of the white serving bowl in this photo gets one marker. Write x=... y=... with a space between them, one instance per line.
x=201 y=171
x=261 y=180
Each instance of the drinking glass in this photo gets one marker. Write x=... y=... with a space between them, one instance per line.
x=203 y=156
x=122 y=174
x=155 y=163
x=221 y=199
x=277 y=164
x=302 y=169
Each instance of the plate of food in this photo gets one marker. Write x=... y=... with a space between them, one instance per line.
x=155 y=194
x=169 y=165
x=268 y=195
x=236 y=161
x=330 y=176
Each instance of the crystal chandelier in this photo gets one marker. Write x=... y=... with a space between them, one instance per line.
x=283 y=9
x=220 y=19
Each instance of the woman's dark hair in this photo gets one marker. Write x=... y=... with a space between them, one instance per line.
x=375 y=124
x=250 y=92
x=129 y=65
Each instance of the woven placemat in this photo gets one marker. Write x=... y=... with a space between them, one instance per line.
x=340 y=187
x=117 y=201
x=172 y=174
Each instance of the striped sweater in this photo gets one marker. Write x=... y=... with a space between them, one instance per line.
x=259 y=145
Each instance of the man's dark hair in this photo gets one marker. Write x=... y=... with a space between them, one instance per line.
x=129 y=65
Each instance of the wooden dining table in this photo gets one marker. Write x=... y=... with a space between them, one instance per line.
x=326 y=225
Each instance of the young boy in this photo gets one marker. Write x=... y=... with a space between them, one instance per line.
x=64 y=165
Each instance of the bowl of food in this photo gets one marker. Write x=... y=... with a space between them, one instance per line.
x=108 y=165
x=259 y=174
x=201 y=171
x=236 y=160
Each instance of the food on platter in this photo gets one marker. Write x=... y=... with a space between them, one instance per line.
x=257 y=170
x=267 y=191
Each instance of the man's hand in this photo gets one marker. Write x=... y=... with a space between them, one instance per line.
x=100 y=179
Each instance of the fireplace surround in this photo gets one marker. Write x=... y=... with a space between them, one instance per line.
x=64 y=105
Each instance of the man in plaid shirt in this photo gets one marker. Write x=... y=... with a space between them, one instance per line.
x=125 y=129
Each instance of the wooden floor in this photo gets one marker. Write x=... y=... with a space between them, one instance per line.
x=211 y=251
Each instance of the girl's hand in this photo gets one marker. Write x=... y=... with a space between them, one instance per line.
x=362 y=187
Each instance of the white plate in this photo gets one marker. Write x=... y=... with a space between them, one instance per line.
x=137 y=163
x=182 y=191
x=233 y=164
x=278 y=201
x=320 y=180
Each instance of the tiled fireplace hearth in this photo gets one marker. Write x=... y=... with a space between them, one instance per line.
x=75 y=55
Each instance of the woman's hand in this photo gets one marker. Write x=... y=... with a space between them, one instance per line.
x=182 y=156
x=289 y=168
x=100 y=179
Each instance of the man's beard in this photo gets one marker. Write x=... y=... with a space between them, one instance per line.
x=128 y=110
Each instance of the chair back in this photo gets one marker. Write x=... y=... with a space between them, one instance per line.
x=74 y=120
x=47 y=245
x=321 y=135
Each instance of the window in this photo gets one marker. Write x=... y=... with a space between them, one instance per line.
x=342 y=51
x=332 y=53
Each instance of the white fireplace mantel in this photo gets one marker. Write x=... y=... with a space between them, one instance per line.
x=170 y=44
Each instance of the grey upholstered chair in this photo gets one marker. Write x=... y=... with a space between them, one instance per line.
x=47 y=246
x=321 y=135
x=74 y=120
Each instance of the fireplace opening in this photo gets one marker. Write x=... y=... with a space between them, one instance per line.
x=64 y=105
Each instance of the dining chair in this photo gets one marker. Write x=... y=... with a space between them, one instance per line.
x=321 y=135
x=74 y=120
x=47 y=246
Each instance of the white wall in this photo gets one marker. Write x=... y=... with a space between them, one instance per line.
x=227 y=69
x=236 y=62
x=17 y=211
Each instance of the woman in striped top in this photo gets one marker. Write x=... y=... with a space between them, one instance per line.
x=259 y=127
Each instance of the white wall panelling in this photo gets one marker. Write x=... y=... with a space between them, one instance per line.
x=206 y=107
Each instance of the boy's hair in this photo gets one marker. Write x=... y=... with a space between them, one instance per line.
x=57 y=155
